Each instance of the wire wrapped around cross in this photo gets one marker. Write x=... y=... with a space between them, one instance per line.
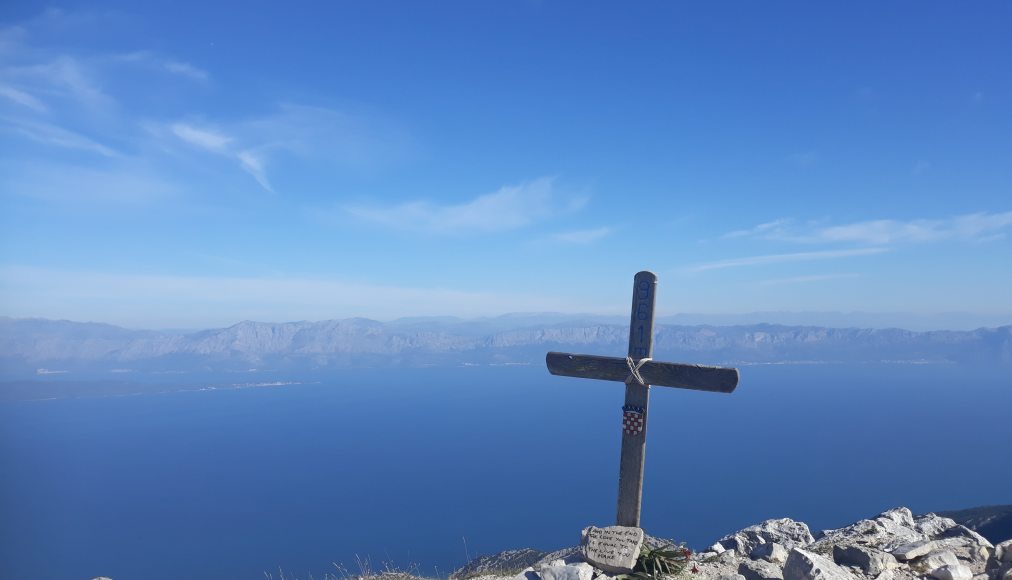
x=634 y=370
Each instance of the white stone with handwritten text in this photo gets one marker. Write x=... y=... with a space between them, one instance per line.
x=613 y=549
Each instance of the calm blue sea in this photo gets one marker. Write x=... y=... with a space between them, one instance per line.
x=401 y=466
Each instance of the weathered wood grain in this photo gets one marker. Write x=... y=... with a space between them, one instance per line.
x=634 y=447
x=661 y=374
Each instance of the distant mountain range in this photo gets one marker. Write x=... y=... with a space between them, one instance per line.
x=28 y=345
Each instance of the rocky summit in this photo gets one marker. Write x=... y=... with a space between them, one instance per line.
x=894 y=545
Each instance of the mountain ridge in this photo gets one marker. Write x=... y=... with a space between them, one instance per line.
x=26 y=344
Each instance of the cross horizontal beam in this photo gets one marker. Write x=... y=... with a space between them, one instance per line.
x=609 y=368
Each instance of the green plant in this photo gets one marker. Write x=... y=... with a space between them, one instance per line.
x=656 y=563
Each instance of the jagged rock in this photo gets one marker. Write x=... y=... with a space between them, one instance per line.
x=900 y=573
x=961 y=531
x=871 y=561
x=571 y=554
x=728 y=557
x=931 y=525
x=952 y=572
x=724 y=567
x=968 y=551
x=934 y=560
x=967 y=545
x=874 y=548
x=1003 y=551
x=770 y=552
x=499 y=564
x=578 y=571
x=760 y=570
x=528 y=574
x=802 y=565
x=886 y=531
x=706 y=555
x=913 y=550
x=995 y=568
x=784 y=531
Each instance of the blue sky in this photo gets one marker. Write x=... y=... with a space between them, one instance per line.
x=172 y=164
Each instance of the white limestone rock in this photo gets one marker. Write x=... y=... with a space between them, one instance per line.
x=931 y=525
x=1003 y=551
x=760 y=570
x=715 y=569
x=871 y=561
x=913 y=550
x=934 y=560
x=613 y=549
x=963 y=532
x=952 y=572
x=770 y=552
x=784 y=531
x=528 y=574
x=493 y=565
x=995 y=568
x=969 y=546
x=885 y=532
x=803 y=565
x=899 y=573
x=728 y=557
x=701 y=556
x=580 y=571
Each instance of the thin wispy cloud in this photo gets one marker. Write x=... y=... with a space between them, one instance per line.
x=64 y=77
x=254 y=165
x=584 y=236
x=219 y=143
x=152 y=60
x=89 y=189
x=973 y=226
x=204 y=138
x=54 y=135
x=759 y=230
x=806 y=279
x=768 y=259
x=22 y=98
x=336 y=137
x=72 y=99
x=186 y=69
x=306 y=133
x=963 y=227
x=509 y=208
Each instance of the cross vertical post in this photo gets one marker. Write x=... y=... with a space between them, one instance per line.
x=637 y=395
x=639 y=371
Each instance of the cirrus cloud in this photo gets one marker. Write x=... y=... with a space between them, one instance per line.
x=509 y=208
x=972 y=226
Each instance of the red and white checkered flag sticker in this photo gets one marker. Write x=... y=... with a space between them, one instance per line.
x=632 y=419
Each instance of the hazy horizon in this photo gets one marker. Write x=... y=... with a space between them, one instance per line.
x=857 y=319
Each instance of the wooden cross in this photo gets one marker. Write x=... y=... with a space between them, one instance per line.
x=638 y=372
